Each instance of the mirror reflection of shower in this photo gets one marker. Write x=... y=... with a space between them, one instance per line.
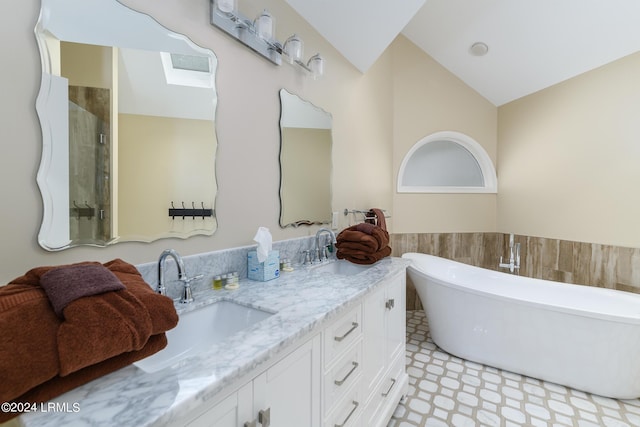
x=89 y=165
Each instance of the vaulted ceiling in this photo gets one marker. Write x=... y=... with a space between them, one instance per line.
x=532 y=44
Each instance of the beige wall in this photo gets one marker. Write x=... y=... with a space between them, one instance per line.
x=428 y=99
x=248 y=134
x=86 y=65
x=558 y=162
x=568 y=159
x=175 y=158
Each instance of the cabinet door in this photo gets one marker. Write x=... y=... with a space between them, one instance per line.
x=288 y=393
x=395 y=305
x=374 y=339
x=233 y=411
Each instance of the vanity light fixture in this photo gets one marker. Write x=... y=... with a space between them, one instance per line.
x=264 y=25
x=259 y=35
x=226 y=6
x=316 y=66
x=293 y=50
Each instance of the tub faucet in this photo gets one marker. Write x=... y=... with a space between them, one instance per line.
x=514 y=256
x=182 y=276
x=322 y=251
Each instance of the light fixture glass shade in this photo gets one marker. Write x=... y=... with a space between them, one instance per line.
x=226 y=6
x=316 y=65
x=264 y=25
x=293 y=48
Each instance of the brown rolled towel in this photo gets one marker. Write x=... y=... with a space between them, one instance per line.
x=373 y=237
x=68 y=283
x=355 y=246
x=361 y=257
x=365 y=227
x=58 y=385
x=362 y=239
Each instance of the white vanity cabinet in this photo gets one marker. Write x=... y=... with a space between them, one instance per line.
x=375 y=362
x=350 y=374
x=286 y=394
x=385 y=379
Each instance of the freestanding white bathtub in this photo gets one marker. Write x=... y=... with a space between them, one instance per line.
x=583 y=337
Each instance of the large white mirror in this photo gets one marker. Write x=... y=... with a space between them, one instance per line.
x=127 y=109
x=305 y=162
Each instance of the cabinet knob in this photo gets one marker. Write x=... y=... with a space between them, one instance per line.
x=250 y=424
x=264 y=417
x=390 y=303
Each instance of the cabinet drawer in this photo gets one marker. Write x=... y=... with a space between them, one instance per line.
x=347 y=412
x=341 y=333
x=342 y=376
x=379 y=407
x=394 y=377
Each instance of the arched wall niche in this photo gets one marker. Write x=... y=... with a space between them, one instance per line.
x=447 y=162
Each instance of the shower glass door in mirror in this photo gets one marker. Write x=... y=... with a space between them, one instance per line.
x=305 y=162
x=127 y=109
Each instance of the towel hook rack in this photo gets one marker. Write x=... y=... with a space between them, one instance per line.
x=79 y=211
x=193 y=212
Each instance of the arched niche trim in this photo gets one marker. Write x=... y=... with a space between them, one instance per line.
x=447 y=162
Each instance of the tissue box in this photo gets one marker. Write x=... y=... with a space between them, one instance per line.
x=263 y=271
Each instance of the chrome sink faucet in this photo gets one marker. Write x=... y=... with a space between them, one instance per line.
x=187 y=296
x=322 y=249
x=514 y=256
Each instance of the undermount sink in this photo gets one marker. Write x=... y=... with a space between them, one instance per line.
x=342 y=268
x=201 y=328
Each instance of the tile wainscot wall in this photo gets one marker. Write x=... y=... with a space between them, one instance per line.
x=581 y=263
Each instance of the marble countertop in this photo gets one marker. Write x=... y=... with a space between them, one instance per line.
x=304 y=300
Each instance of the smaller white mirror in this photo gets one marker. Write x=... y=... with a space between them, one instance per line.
x=447 y=162
x=305 y=162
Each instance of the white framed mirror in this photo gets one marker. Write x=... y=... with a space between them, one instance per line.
x=127 y=109
x=305 y=162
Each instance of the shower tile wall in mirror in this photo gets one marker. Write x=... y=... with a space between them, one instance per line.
x=305 y=162
x=127 y=109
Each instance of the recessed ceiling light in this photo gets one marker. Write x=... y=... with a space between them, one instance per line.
x=478 y=49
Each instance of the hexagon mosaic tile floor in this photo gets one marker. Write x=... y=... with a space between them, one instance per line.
x=447 y=391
